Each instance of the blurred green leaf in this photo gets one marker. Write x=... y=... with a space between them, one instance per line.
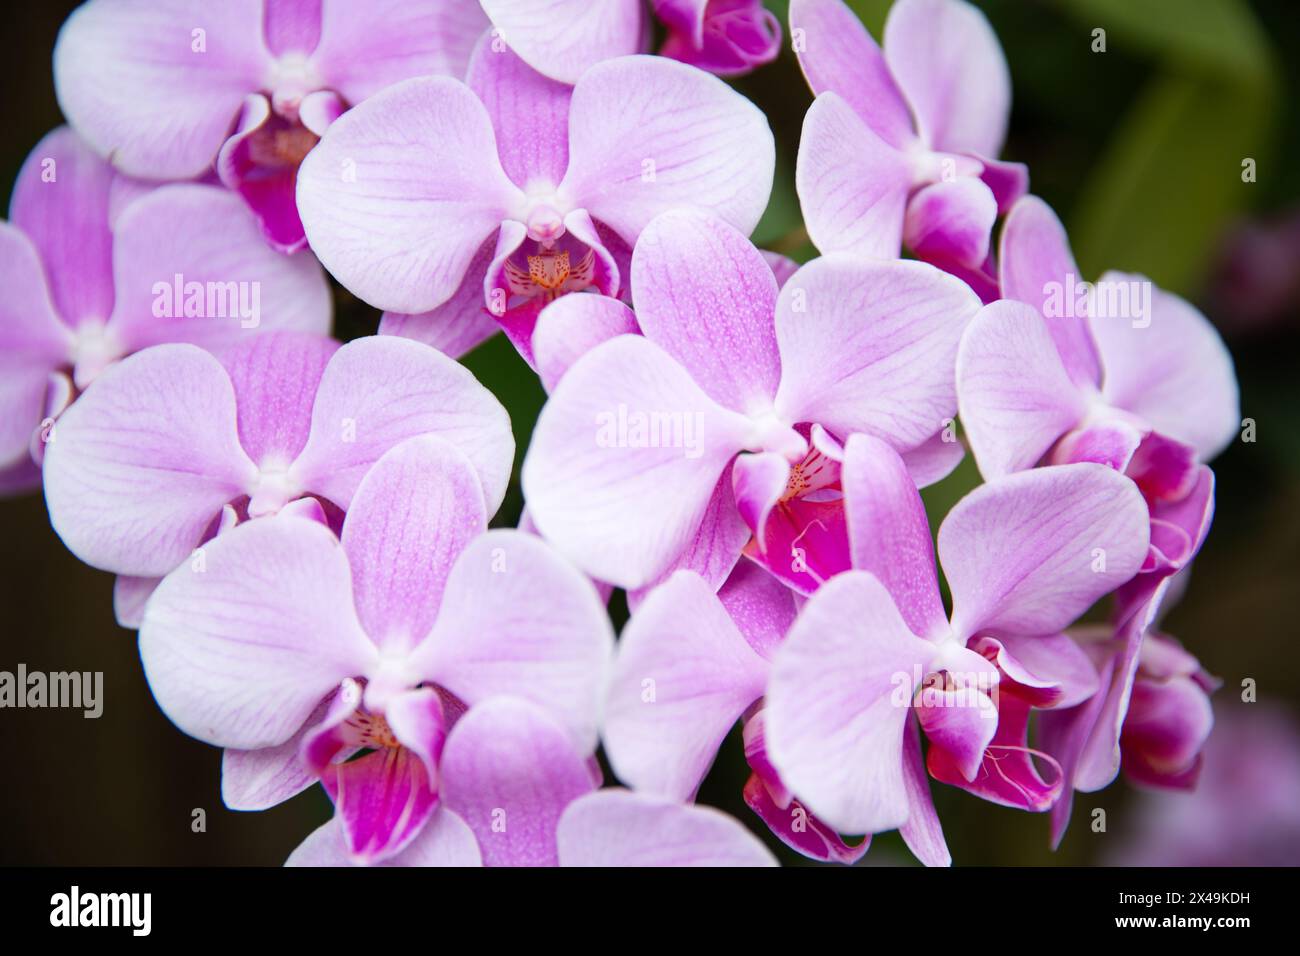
x=1170 y=179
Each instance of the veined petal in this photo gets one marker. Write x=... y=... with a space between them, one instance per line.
x=837 y=703
x=624 y=459
x=871 y=346
x=266 y=777
x=838 y=54
x=518 y=619
x=564 y=38
x=683 y=676
x=180 y=72
x=950 y=66
x=61 y=202
x=621 y=828
x=648 y=134
x=364 y=48
x=190 y=265
x=1030 y=552
x=378 y=391
x=460 y=323
x=444 y=840
x=1175 y=372
x=241 y=652
x=706 y=296
x=852 y=185
x=509 y=771
x=1015 y=396
x=1037 y=267
x=889 y=534
x=144 y=461
x=402 y=190
x=530 y=113
x=573 y=325
x=413 y=514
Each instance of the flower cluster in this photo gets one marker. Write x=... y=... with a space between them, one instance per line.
x=300 y=527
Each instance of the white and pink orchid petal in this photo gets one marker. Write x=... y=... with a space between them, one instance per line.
x=276 y=376
x=947 y=60
x=1009 y=181
x=1174 y=371
x=33 y=343
x=923 y=833
x=798 y=829
x=838 y=54
x=518 y=619
x=838 y=699
x=61 y=202
x=705 y=295
x=144 y=461
x=952 y=222
x=240 y=652
x=530 y=114
x=649 y=134
x=1029 y=553
x=562 y=39
x=129 y=597
x=180 y=73
x=889 y=534
x=509 y=770
x=870 y=347
x=413 y=514
x=401 y=192
x=264 y=778
x=365 y=48
x=622 y=828
x=190 y=265
x=573 y=325
x=1037 y=267
x=960 y=723
x=935 y=458
x=380 y=390
x=592 y=453
x=761 y=607
x=683 y=676
x=460 y=323
x=1052 y=665
x=715 y=547
x=444 y=840
x=852 y=185
x=1014 y=393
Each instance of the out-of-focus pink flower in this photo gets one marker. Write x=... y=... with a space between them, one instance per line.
x=637 y=464
x=901 y=144
x=184 y=72
x=174 y=442
x=96 y=266
x=1245 y=810
x=514 y=791
x=415 y=613
x=450 y=205
x=561 y=39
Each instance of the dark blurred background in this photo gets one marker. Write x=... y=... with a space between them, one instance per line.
x=1139 y=148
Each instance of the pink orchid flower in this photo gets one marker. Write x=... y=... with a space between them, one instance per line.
x=900 y=146
x=1151 y=720
x=174 y=443
x=515 y=792
x=1118 y=372
x=872 y=649
x=415 y=613
x=247 y=85
x=653 y=448
x=85 y=252
x=561 y=39
x=451 y=205
x=690 y=664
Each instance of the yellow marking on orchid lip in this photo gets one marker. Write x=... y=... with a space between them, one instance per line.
x=549 y=269
x=372 y=731
x=282 y=147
